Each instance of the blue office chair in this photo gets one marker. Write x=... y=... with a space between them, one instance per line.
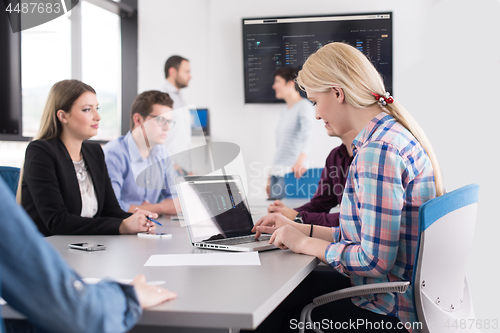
x=441 y=294
x=11 y=177
x=2 y=328
x=446 y=228
x=305 y=186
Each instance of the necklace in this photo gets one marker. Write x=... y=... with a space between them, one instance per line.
x=81 y=171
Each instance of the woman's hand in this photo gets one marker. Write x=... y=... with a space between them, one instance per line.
x=288 y=237
x=268 y=187
x=279 y=207
x=149 y=295
x=269 y=223
x=287 y=234
x=138 y=222
x=299 y=170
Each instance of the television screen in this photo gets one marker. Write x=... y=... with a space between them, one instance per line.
x=271 y=43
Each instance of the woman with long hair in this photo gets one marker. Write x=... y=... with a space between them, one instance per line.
x=64 y=184
x=394 y=171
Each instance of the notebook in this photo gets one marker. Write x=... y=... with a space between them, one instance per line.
x=216 y=214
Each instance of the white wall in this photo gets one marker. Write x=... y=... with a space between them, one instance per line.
x=174 y=27
x=446 y=70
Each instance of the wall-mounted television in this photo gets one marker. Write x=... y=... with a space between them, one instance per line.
x=273 y=42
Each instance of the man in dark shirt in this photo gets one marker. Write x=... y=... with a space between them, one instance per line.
x=330 y=188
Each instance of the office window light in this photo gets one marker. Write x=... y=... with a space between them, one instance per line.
x=84 y=44
x=45 y=59
x=101 y=65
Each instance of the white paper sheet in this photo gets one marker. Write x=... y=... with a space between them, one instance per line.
x=205 y=259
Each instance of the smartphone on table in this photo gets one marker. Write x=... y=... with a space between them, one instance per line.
x=87 y=246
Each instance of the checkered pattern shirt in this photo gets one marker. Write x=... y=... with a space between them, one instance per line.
x=390 y=177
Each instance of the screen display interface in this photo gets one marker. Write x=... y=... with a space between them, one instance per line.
x=271 y=43
x=215 y=207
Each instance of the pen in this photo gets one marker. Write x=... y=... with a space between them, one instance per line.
x=153 y=220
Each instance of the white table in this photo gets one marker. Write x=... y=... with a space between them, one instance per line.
x=210 y=299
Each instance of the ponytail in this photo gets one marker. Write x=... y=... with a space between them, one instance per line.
x=403 y=117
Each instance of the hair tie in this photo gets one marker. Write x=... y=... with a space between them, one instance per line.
x=384 y=99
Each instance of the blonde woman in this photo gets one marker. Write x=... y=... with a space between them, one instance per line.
x=394 y=171
x=65 y=186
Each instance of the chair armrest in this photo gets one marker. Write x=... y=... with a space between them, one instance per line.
x=374 y=288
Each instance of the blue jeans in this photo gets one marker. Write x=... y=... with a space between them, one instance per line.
x=277 y=187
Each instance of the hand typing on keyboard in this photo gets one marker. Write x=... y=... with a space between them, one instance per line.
x=269 y=223
x=239 y=240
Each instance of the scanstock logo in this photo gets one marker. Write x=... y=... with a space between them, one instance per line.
x=26 y=14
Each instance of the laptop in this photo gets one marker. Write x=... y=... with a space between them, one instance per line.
x=216 y=214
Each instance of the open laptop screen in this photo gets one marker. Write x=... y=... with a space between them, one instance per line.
x=214 y=207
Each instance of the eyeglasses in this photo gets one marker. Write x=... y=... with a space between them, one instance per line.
x=160 y=121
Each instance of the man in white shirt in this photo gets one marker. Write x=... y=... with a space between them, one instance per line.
x=177 y=76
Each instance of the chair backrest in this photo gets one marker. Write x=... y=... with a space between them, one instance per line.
x=446 y=227
x=11 y=177
x=305 y=186
x=2 y=328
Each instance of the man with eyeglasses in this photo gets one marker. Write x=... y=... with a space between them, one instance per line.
x=139 y=165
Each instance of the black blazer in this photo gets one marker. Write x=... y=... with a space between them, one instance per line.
x=51 y=195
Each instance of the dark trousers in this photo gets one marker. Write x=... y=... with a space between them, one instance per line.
x=340 y=315
x=19 y=326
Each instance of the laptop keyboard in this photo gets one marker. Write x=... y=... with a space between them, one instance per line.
x=239 y=240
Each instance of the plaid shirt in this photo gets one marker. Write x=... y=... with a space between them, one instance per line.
x=390 y=177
